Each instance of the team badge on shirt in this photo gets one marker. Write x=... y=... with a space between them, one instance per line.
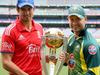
x=39 y=34
x=71 y=62
x=92 y=50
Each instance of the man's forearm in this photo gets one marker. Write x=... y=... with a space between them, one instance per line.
x=11 y=67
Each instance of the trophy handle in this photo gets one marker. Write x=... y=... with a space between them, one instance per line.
x=43 y=57
x=62 y=62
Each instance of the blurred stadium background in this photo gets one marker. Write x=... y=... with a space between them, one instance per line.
x=51 y=14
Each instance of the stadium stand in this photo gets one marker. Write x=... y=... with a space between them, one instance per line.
x=52 y=13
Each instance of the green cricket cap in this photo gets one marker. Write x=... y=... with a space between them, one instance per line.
x=77 y=11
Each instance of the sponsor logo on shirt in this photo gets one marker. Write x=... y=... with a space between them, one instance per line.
x=92 y=50
x=6 y=46
x=77 y=48
x=33 y=49
x=21 y=37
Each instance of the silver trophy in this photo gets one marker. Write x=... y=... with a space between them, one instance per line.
x=53 y=40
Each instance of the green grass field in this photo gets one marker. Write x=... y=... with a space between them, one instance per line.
x=2 y=71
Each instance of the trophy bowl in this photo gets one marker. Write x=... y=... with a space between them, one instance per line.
x=54 y=38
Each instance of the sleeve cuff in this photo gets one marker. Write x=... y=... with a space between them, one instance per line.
x=65 y=64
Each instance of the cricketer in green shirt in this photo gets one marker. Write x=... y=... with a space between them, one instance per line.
x=84 y=55
x=83 y=51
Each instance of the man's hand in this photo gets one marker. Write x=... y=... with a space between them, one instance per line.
x=24 y=74
x=64 y=57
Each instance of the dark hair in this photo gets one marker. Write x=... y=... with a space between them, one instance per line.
x=17 y=6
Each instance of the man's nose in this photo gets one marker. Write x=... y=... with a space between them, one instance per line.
x=74 y=23
x=26 y=12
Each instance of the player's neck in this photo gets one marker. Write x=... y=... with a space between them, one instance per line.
x=28 y=25
x=76 y=34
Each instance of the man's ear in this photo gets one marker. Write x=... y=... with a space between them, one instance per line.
x=17 y=9
x=68 y=18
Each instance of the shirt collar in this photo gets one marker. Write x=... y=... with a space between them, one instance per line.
x=21 y=26
x=82 y=32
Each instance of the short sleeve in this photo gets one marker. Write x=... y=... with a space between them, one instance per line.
x=91 y=55
x=7 y=44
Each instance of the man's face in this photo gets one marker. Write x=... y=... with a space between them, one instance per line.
x=76 y=24
x=25 y=13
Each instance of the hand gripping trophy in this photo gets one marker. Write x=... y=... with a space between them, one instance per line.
x=53 y=39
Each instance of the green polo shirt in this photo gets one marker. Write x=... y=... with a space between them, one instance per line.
x=84 y=55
